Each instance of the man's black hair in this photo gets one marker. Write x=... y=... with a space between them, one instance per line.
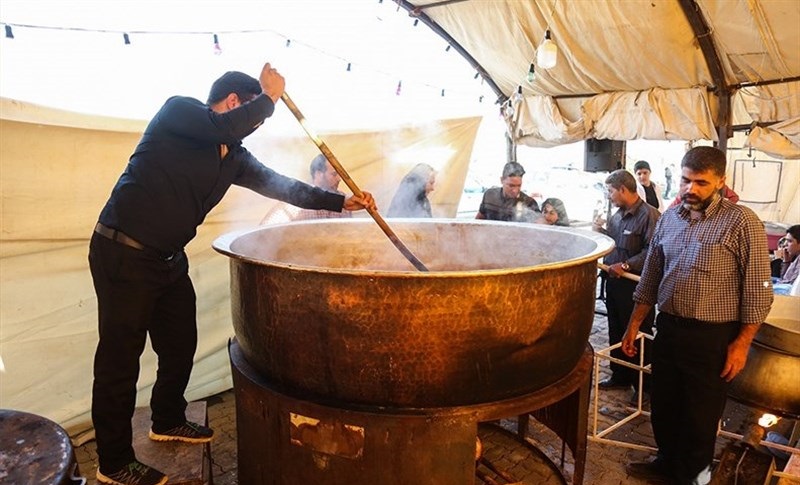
x=705 y=159
x=245 y=87
x=513 y=169
x=318 y=164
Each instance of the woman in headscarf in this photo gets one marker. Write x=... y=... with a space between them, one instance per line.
x=554 y=213
x=411 y=198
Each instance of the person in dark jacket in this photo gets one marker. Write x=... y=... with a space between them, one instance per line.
x=411 y=198
x=508 y=202
x=189 y=155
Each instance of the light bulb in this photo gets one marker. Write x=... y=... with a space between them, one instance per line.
x=217 y=48
x=518 y=95
x=531 y=74
x=547 y=53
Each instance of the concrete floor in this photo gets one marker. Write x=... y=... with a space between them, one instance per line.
x=605 y=462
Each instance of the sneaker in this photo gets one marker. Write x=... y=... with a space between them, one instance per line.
x=134 y=473
x=187 y=432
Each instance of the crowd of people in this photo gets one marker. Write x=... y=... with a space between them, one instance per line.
x=700 y=336
x=703 y=262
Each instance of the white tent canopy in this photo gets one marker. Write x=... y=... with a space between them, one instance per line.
x=657 y=70
x=646 y=69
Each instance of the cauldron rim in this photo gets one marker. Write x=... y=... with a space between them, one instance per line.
x=604 y=245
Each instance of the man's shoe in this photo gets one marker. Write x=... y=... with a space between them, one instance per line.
x=656 y=471
x=611 y=383
x=187 y=432
x=134 y=473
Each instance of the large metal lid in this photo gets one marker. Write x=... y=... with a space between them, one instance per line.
x=782 y=327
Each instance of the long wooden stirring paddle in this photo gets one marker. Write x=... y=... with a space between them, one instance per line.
x=352 y=185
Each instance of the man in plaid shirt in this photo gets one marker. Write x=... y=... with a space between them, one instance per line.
x=708 y=271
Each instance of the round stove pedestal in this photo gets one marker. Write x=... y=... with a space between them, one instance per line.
x=286 y=440
x=35 y=450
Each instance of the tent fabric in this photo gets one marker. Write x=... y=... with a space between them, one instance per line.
x=615 y=50
x=781 y=140
x=655 y=114
x=54 y=180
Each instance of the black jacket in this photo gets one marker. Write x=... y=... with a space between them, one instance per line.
x=176 y=175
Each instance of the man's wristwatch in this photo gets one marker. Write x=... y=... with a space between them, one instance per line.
x=626 y=266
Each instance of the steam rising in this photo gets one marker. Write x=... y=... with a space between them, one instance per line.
x=442 y=245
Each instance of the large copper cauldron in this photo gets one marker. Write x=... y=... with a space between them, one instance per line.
x=769 y=380
x=330 y=310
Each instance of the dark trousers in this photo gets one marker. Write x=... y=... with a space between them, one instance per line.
x=619 y=305
x=688 y=395
x=139 y=292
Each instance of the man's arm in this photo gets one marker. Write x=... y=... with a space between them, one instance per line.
x=189 y=118
x=482 y=208
x=737 y=351
x=752 y=256
x=640 y=311
x=261 y=179
x=756 y=298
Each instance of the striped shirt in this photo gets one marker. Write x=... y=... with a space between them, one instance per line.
x=714 y=269
x=307 y=214
x=632 y=230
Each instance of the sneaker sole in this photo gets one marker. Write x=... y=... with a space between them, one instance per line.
x=108 y=481
x=165 y=437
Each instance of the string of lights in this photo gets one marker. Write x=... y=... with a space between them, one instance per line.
x=128 y=39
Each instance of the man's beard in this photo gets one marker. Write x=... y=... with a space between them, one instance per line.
x=697 y=205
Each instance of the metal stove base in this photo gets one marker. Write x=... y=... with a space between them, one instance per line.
x=283 y=440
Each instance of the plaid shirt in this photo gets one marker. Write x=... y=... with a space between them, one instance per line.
x=308 y=214
x=714 y=269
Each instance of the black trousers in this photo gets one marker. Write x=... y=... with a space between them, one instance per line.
x=139 y=292
x=619 y=305
x=688 y=395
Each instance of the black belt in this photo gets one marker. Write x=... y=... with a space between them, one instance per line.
x=691 y=321
x=122 y=238
x=118 y=236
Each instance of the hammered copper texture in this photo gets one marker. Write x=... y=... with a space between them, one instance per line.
x=408 y=339
x=769 y=378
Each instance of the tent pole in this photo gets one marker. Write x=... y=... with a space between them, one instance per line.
x=511 y=149
x=704 y=38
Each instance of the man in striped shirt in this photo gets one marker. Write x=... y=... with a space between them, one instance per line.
x=708 y=271
x=324 y=176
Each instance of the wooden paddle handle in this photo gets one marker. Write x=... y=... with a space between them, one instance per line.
x=625 y=274
x=352 y=185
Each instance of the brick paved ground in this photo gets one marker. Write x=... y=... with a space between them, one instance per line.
x=605 y=462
